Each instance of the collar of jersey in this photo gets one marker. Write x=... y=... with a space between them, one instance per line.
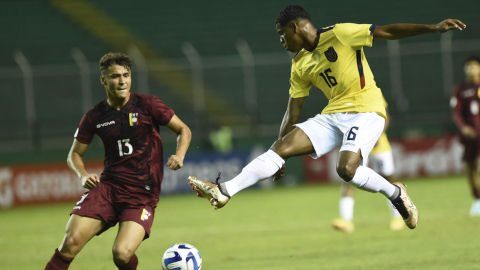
x=130 y=99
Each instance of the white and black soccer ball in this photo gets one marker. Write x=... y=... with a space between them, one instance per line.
x=182 y=256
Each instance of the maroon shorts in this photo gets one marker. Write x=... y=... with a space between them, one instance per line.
x=472 y=148
x=114 y=203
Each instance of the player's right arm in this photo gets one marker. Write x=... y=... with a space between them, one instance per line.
x=291 y=117
x=294 y=110
x=299 y=89
x=75 y=162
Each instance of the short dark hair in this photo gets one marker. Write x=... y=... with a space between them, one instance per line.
x=290 y=13
x=472 y=57
x=115 y=59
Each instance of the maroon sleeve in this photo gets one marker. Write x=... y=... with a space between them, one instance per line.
x=161 y=112
x=457 y=106
x=85 y=130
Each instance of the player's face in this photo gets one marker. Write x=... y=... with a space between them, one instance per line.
x=289 y=37
x=117 y=80
x=472 y=69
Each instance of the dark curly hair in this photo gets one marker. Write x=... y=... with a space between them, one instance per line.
x=291 y=13
x=115 y=59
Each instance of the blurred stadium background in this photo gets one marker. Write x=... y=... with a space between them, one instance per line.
x=220 y=66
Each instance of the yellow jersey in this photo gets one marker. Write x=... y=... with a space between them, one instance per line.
x=339 y=68
x=382 y=145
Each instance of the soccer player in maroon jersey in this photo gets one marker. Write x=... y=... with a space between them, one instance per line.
x=465 y=105
x=128 y=190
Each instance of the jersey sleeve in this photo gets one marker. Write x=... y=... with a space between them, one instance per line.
x=85 y=131
x=457 y=107
x=161 y=112
x=355 y=35
x=298 y=87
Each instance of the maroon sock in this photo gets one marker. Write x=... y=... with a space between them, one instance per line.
x=58 y=262
x=131 y=265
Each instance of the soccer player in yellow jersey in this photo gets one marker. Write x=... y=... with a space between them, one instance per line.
x=332 y=59
x=381 y=159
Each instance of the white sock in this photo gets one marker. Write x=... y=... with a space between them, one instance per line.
x=258 y=170
x=368 y=180
x=393 y=212
x=346 y=208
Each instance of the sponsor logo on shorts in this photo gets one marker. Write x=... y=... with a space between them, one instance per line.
x=352 y=144
x=77 y=207
x=105 y=124
x=145 y=215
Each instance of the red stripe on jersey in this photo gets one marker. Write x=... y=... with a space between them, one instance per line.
x=362 y=81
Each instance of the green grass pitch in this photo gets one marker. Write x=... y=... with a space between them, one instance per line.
x=281 y=228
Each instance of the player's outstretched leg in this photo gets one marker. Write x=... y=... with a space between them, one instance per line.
x=213 y=192
x=295 y=143
x=218 y=194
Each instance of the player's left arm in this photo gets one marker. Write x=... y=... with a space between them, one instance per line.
x=399 y=31
x=184 y=136
x=387 y=121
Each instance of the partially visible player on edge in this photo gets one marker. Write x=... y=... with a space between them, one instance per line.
x=129 y=187
x=333 y=60
x=381 y=158
x=465 y=106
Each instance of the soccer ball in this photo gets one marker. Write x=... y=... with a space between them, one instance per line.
x=182 y=256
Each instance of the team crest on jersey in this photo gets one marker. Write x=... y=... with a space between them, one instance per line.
x=145 y=215
x=331 y=54
x=133 y=117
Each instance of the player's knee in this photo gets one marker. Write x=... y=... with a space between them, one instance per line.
x=72 y=244
x=121 y=256
x=346 y=171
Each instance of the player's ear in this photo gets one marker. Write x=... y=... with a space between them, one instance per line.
x=102 y=80
x=294 y=27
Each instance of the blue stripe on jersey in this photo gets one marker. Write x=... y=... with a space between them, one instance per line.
x=372 y=28
x=326 y=29
x=360 y=68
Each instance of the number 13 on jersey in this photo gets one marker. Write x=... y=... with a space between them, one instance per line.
x=127 y=144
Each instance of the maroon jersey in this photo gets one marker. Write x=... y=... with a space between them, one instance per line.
x=465 y=103
x=133 y=147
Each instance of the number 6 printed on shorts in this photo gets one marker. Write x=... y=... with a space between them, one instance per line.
x=352 y=135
